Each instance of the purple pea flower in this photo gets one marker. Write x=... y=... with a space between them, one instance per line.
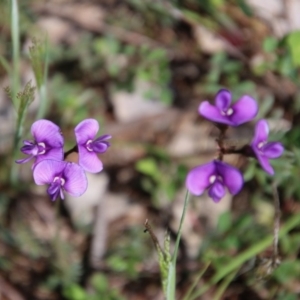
x=263 y=149
x=242 y=111
x=47 y=144
x=214 y=176
x=89 y=145
x=60 y=176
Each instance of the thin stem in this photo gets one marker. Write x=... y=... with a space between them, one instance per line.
x=16 y=51
x=276 y=225
x=224 y=285
x=247 y=254
x=43 y=88
x=171 y=285
x=198 y=277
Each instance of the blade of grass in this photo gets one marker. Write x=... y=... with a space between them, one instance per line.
x=247 y=254
x=171 y=285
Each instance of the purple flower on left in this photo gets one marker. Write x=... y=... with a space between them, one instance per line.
x=60 y=176
x=47 y=144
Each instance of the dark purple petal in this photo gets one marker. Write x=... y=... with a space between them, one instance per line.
x=89 y=160
x=273 y=149
x=223 y=100
x=212 y=113
x=265 y=164
x=232 y=177
x=104 y=137
x=45 y=171
x=100 y=147
x=47 y=132
x=244 y=110
x=75 y=180
x=216 y=191
x=198 y=179
x=261 y=133
x=86 y=130
x=54 y=190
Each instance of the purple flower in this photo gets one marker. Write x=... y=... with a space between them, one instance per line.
x=214 y=176
x=264 y=150
x=88 y=146
x=61 y=176
x=242 y=111
x=47 y=144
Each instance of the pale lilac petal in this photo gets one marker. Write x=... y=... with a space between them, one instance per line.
x=261 y=132
x=265 y=164
x=47 y=132
x=244 y=110
x=53 y=154
x=223 y=99
x=212 y=113
x=232 y=177
x=86 y=130
x=76 y=182
x=198 y=178
x=273 y=149
x=45 y=171
x=89 y=161
x=216 y=191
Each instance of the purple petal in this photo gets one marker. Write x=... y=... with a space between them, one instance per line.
x=223 y=99
x=198 y=178
x=100 y=147
x=54 y=190
x=45 y=171
x=261 y=133
x=86 y=130
x=52 y=154
x=232 y=177
x=24 y=160
x=212 y=113
x=273 y=149
x=88 y=160
x=265 y=164
x=244 y=110
x=48 y=132
x=76 y=182
x=216 y=191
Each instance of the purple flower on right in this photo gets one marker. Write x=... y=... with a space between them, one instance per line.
x=263 y=149
x=89 y=146
x=242 y=111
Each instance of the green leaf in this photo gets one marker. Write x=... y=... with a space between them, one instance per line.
x=293 y=42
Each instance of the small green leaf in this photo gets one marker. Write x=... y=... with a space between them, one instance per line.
x=293 y=42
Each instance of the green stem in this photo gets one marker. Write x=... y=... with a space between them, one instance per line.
x=171 y=285
x=247 y=254
x=16 y=51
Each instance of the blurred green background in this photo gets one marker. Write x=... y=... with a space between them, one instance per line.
x=141 y=68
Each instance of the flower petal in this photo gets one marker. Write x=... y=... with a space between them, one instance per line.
x=212 y=113
x=53 y=154
x=76 y=182
x=45 y=171
x=273 y=149
x=47 y=132
x=261 y=133
x=244 y=110
x=265 y=164
x=232 y=177
x=88 y=160
x=223 y=99
x=216 y=191
x=86 y=130
x=198 y=178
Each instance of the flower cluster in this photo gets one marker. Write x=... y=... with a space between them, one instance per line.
x=49 y=166
x=217 y=175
